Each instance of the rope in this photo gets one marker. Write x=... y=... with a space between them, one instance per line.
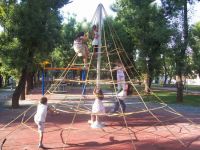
x=116 y=92
x=16 y=117
x=120 y=53
x=78 y=106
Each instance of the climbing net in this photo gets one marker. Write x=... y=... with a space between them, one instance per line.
x=78 y=98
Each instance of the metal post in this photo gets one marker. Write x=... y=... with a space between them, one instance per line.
x=100 y=6
x=83 y=79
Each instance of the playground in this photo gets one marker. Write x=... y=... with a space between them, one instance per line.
x=143 y=131
x=141 y=121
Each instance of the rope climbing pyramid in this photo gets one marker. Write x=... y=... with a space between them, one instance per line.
x=101 y=72
x=126 y=117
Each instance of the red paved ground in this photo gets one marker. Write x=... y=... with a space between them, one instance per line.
x=143 y=133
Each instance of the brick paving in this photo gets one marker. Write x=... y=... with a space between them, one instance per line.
x=144 y=132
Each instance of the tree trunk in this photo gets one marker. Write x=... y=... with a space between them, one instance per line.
x=170 y=80
x=35 y=80
x=165 y=72
x=181 y=63
x=179 y=85
x=146 y=84
x=165 y=79
x=29 y=82
x=23 y=95
x=19 y=89
x=199 y=73
x=1 y=81
x=150 y=82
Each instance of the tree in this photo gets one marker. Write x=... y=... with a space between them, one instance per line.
x=194 y=43
x=116 y=36
x=177 y=12
x=147 y=26
x=64 y=51
x=36 y=25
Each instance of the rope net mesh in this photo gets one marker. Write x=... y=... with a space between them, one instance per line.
x=73 y=94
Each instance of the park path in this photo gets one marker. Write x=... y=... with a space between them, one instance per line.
x=5 y=95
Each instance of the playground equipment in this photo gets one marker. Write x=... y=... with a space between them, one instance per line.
x=63 y=86
x=78 y=100
x=110 y=55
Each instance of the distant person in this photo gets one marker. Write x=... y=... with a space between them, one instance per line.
x=80 y=47
x=11 y=82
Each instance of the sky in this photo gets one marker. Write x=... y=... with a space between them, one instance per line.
x=194 y=13
x=85 y=9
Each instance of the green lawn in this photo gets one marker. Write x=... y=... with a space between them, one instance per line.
x=170 y=98
x=193 y=87
x=188 y=87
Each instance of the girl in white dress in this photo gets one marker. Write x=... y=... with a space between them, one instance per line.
x=98 y=106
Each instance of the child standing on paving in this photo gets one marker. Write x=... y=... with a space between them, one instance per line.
x=40 y=118
x=97 y=107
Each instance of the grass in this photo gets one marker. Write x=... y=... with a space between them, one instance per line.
x=188 y=87
x=170 y=98
x=193 y=87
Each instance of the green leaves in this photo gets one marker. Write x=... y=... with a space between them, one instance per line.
x=147 y=27
x=32 y=29
x=194 y=43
